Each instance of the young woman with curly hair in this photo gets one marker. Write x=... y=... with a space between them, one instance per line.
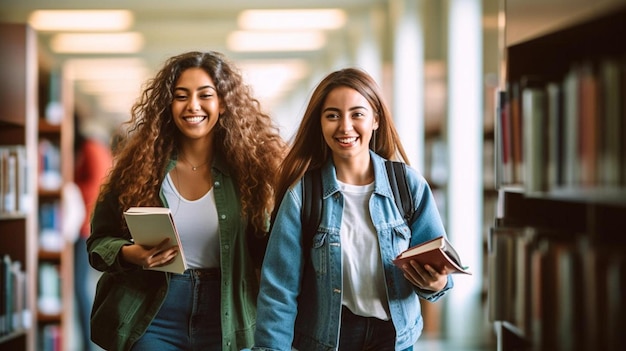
x=198 y=143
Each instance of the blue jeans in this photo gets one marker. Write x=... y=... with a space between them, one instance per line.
x=189 y=319
x=359 y=333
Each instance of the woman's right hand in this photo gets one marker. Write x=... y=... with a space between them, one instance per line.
x=150 y=257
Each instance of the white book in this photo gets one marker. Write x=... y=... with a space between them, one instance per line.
x=151 y=225
x=534 y=144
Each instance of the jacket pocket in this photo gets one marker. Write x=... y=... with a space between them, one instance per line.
x=401 y=236
x=124 y=298
x=319 y=252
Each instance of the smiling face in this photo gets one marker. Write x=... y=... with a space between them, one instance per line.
x=348 y=122
x=195 y=106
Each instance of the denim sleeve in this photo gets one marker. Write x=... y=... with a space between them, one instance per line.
x=428 y=224
x=432 y=296
x=281 y=274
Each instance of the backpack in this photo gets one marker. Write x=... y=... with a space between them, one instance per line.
x=312 y=200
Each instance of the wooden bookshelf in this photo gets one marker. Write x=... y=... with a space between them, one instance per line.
x=557 y=250
x=55 y=315
x=18 y=222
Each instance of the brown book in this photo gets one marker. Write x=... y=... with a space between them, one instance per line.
x=437 y=253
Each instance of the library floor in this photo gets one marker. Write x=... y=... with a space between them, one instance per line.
x=448 y=345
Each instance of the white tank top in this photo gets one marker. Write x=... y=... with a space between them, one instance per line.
x=197 y=225
x=364 y=290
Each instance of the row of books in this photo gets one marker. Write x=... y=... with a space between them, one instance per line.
x=49 y=165
x=49 y=300
x=50 y=236
x=559 y=290
x=50 y=337
x=565 y=133
x=14 y=309
x=15 y=196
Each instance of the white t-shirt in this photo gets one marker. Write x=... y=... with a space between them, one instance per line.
x=364 y=290
x=197 y=225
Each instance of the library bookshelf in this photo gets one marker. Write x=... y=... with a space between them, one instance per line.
x=30 y=200
x=557 y=249
x=18 y=220
x=55 y=253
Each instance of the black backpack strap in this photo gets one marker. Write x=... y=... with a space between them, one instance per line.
x=311 y=208
x=396 y=172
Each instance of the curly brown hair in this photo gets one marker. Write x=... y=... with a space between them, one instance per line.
x=245 y=136
x=310 y=151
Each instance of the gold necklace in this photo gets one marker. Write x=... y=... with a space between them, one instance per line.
x=193 y=168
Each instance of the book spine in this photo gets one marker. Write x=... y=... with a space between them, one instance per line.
x=611 y=123
x=534 y=121
x=554 y=122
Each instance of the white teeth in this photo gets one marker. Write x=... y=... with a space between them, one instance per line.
x=347 y=140
x=194 y=119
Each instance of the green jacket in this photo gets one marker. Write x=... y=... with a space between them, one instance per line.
x=128 y=297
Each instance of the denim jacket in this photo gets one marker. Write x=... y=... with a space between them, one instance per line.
x=313 y=324
x=128 y=297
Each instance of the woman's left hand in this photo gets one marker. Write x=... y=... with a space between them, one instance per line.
x=425 y=277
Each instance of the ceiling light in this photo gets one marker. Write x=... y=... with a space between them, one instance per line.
x=81 y=20
x=292 y=19
x=276 y=41
x=270 y=79
x=106 y=68
x=80 y=43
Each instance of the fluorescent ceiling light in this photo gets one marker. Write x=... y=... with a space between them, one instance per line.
x=77 y=43
x=271 y=79
x=97 y=87
x=81 y=20
x=100 y=69
x=292 y=19
x=276 y=41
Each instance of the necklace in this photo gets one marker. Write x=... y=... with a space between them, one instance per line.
x=193 y=168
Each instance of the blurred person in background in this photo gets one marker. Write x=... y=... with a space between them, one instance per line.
x=92 y=161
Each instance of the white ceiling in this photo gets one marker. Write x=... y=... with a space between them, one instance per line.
x=169 y=28
x=173 y=26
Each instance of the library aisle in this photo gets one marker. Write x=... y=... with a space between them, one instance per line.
x=426 y=344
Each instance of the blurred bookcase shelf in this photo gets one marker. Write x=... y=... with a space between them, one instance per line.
x=55 y=252
x=24 y=192
x=557 y=249
x=18 y=220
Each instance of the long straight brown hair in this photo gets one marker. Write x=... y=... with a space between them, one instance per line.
x=310 y=151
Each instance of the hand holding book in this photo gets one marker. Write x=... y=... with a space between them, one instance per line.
x=154 y=227
x=438 y=253
x=157 y=257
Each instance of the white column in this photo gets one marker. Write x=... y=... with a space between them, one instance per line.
x=465 y=139
x=408 y=76
x=365 y=40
